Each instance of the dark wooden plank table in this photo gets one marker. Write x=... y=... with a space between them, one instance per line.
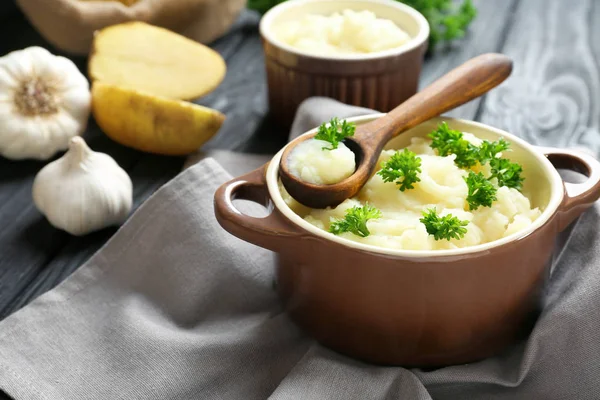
x=553 y=98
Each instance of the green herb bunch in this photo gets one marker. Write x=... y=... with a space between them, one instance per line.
x=447 y=20
x=262 y=6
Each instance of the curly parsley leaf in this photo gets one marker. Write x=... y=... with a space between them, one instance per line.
x=355 y=221
x=449 y=141
x=489 y=150
x=507 y=173
x=402 y=168
x=335 y=132
x=447 y=227
x=481 y=191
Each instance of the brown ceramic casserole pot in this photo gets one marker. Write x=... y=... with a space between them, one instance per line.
x=378 y=81
x=415 y=308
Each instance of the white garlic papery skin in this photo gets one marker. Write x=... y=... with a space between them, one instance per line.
x=83 y=191
x=44 y=102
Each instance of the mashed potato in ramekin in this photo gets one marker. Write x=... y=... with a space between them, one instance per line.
x=348 y=32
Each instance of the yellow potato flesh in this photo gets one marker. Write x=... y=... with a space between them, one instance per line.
x=144 y=57
x=150 y=123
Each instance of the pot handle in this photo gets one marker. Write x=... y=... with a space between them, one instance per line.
x=268 y=232
x=578 y=196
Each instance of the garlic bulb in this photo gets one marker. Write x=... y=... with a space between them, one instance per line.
x=44 y=101
x=83 y=191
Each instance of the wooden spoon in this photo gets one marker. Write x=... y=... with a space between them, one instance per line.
x=464 y=83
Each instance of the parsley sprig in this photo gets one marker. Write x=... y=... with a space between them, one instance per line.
x=489 y=150
x=403 y=168
x=335 y=132
x=355 y=221
x=449 y=141
x=447 y=227
x=481 y=191
x=507 y=173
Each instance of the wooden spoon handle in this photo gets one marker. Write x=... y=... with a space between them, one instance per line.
x=464 y=83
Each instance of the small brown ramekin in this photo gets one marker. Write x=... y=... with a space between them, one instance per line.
x=379 y=80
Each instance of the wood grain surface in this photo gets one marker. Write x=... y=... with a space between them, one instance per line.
x=552 y=98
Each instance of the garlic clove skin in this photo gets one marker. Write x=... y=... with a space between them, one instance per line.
x=83 y=191
x=44 y=102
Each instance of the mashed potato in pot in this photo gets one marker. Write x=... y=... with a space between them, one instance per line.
x=348 y=32
x=442 y=187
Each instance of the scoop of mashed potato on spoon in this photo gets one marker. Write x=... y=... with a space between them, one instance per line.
x=313 y=164
x=324 y=159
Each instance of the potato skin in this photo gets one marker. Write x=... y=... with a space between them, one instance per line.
x=150 y=123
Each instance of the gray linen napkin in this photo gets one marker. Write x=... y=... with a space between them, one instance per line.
x=175 y=308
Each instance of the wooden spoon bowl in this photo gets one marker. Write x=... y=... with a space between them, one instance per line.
x=466 y=82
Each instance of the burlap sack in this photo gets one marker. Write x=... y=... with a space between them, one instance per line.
x=70 y=24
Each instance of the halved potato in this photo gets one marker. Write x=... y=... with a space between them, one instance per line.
x=150 y=123
x=144 y=57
